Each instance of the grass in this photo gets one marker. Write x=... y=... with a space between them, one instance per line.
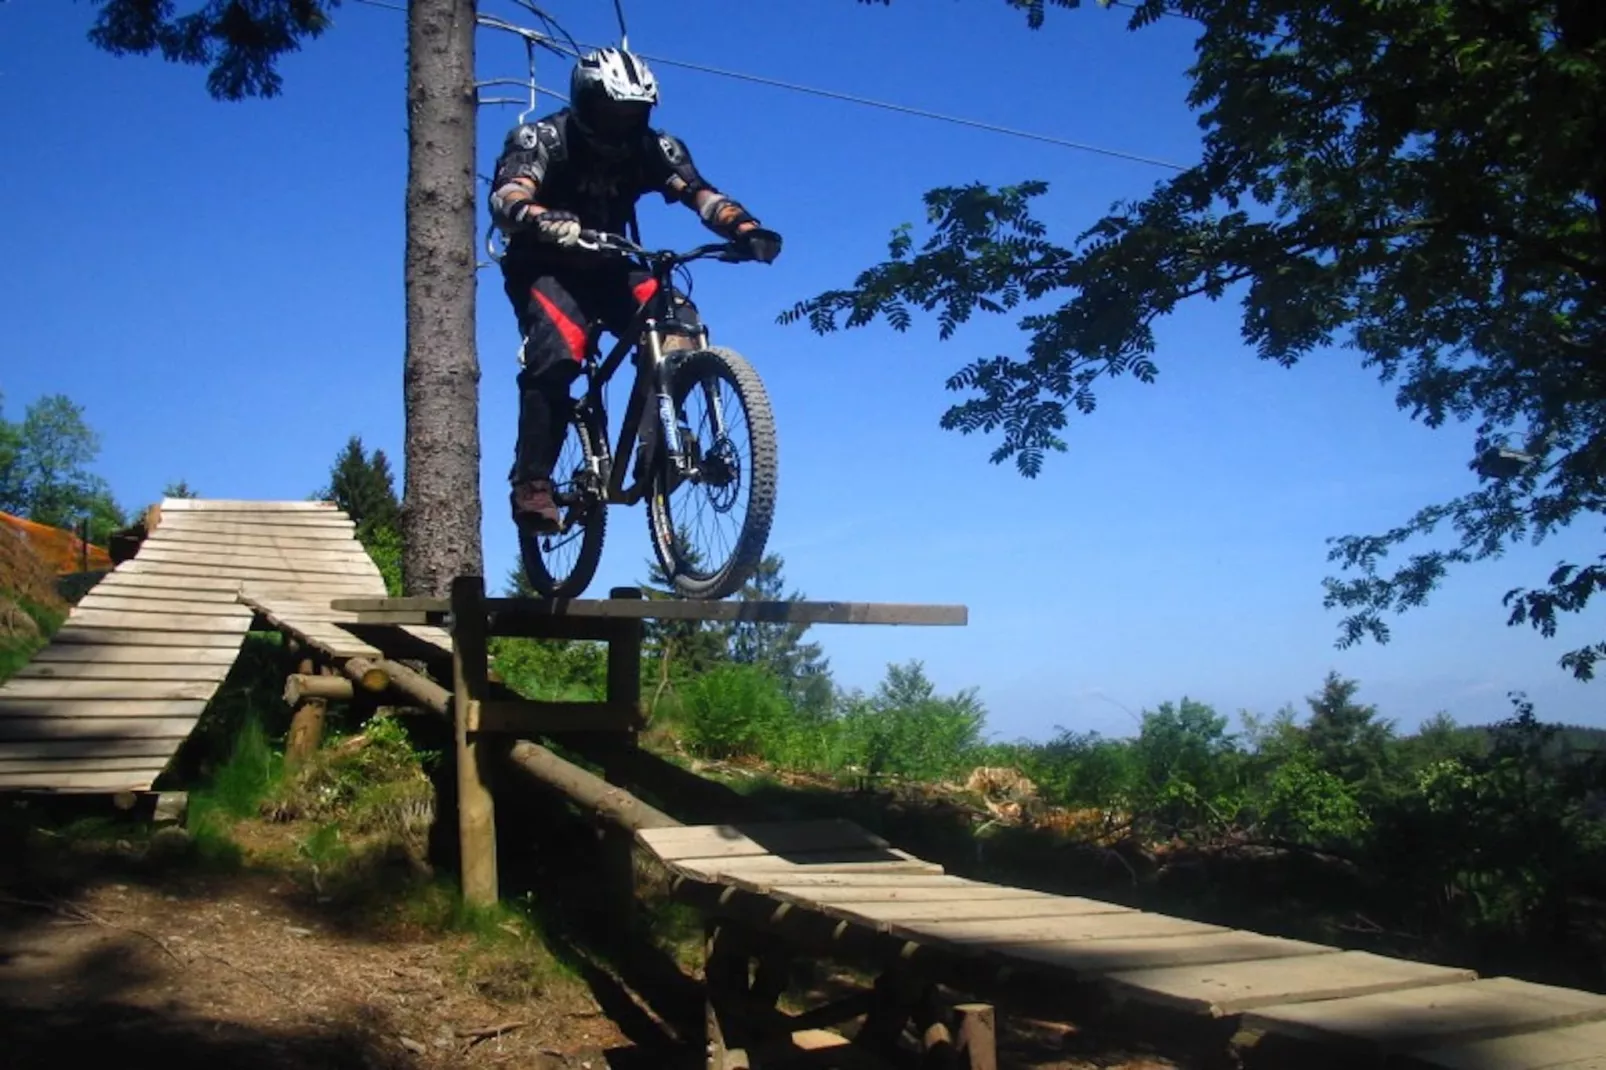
x=25 y=627
x=349 y=828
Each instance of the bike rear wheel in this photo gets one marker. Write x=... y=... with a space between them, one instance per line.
x=727 y=429
x=562 y=565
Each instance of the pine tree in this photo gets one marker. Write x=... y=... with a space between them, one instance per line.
x=801 y=667
x=363 y=487
x=1346 y=736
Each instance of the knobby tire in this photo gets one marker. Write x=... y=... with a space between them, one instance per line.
x=760 y=476
x=595 y=524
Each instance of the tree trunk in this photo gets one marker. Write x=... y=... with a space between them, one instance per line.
x=441 y=499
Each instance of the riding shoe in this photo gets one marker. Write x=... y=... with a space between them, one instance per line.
x=534 y=511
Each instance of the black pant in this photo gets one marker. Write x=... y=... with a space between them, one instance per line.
x=557 y=309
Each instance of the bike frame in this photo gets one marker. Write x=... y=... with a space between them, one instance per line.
x=645 y=422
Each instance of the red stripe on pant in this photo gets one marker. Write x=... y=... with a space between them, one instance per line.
x=574 y=336
x=644 y=290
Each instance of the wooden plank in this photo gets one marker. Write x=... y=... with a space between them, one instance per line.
x=174 y=720
x=129 y=586
x=1435 y=1017
x=137 y=604
x=850 y=895
x=171 y=506
x=281 y=605
x=505 y=612
x=304 y=565
x=334 y=639
x=44 y=671
x=336 y=584
x=66 y=749
x=1033 y=930
x=438 y=637
x=349 y=555
x=340 y=644
x=793 y=880
x=303 y=592
x=219 y=621
x=315 y=539
x=25 y=708
x=75 y=632
x=783 y=868
x=304 y=614
x=209 y=657
x=1217 y=990
x=1092 y=958
x=294 y=527
x=127 y=780
x=1574 y=1047
x=28 y=689
x=322 y=560
x=763 y=838
x=150 y=763
x=897 y=913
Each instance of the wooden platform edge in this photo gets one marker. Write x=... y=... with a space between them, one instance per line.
x=508 y=614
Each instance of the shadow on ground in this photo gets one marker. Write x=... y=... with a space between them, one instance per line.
x=97 y=1006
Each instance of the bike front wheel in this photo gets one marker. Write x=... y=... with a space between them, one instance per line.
x=561 y=565
x=709 y=523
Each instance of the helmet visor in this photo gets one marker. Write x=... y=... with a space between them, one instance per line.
x=617 y=119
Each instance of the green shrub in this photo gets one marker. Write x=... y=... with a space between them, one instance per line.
x=733 y=711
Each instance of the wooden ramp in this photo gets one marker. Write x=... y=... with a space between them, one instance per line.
x=107 y=704
x=1369 y=1010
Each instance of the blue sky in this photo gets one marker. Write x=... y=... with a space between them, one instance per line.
x=220 y=285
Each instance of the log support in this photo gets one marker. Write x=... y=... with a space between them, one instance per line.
x=476 y=815
x=906 y=1021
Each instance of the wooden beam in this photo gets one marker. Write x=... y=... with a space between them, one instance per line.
x=371 y=676
x=611 y=803
x=977 y=1045
x=416 y=685
x=476 y=816
x=300 y=686
x=512 y=616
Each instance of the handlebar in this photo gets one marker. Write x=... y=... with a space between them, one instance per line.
x=602 y=241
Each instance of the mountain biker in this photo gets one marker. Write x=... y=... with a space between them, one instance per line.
x=584 y=167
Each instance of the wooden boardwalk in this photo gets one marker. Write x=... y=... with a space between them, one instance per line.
x=107 y=704
x=1304 y=998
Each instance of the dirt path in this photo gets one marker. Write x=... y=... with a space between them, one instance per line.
x=228 y=973
x=109 y=951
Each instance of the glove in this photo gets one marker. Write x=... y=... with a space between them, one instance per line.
x=555 y=227
x=760 y=244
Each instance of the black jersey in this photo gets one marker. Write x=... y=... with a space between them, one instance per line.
x=569 y=174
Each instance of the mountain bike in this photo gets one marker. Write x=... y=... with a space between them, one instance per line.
x=673 y=452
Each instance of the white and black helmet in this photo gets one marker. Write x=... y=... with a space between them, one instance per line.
x=612 y=92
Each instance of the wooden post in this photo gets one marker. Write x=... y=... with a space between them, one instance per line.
x=725 y=980
x=476 y=818
x=624 y=656
x=624 y=688
x=978 y=1036
x=306 y=730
